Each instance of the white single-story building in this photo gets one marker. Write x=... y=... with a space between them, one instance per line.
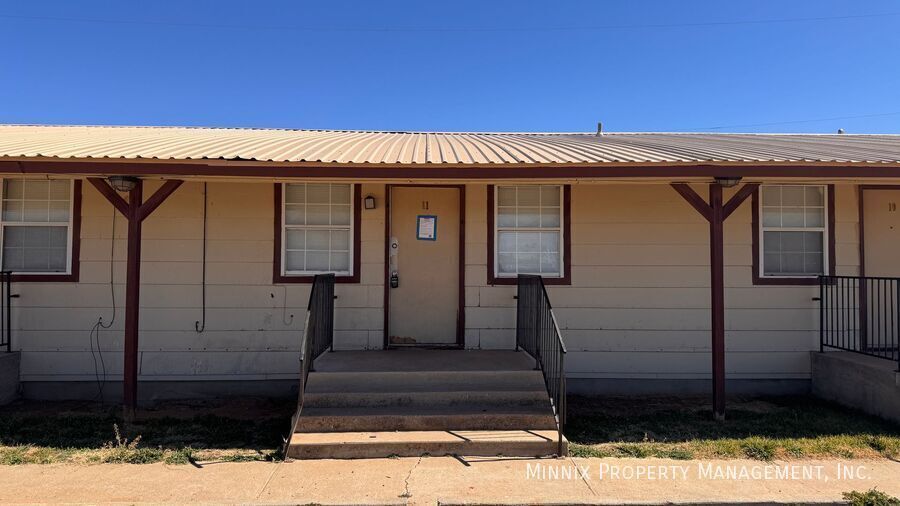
x=426 y=234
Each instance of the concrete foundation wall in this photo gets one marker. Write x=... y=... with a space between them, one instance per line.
x=9 y=377
x=866 y=383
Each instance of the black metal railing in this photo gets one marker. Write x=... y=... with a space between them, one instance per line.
x=860 y=314
x=318 y=337
x=5 y=311
x=538 y=334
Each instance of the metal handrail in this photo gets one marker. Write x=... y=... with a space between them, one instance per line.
x=318 y=337
x=6 y=311
x=537 y=332
x=860 y=314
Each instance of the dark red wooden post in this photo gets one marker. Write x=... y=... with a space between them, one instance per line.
x=716 y=213
x=132 y=297
x=135 y=211
x=717 y=296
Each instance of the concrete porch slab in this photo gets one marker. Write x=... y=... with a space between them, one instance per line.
x=424 y=360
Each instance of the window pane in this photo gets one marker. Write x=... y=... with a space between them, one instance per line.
x=340 y=261
x=295 y=239
x=793 y=253
x=529 y=263
x=815 y=196
x=340 y=194
x=340 y=215
x=550 y=217
x=59 y=190
x=12 y=210
x=815 y=217
x=294 y=214
x=506 y=216
x=550 y=263
x=528 y=196
x=528 y=242
x=318 y=193
x=812 y=263
x=771 y=195
x=12 y=188
x=35 y=248
x=771 y=216
x=549 y=242
x=507 y=263
x=13 y=259
x=812 y=241
x=294 y=261
x=550 y=196
x=37 y=190
x=506 y=242
x=529 y=217
x=792 y=216
x=317 y=261
x=506 y=196
x=59 y=211
x=318 y=240
x=792 y=195
x=318 y=214
x=294 y=193
x=36 y=210
x=37 y=260
x=340 y=240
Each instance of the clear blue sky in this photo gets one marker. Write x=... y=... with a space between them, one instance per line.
x=455 y=65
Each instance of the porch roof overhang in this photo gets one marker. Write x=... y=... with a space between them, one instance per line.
x=220 y=152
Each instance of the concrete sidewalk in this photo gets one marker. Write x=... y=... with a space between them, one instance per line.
x=445 y=480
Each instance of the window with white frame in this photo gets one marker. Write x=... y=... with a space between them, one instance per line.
x=794 y=230
x=36 y=225
x=528 y=230
x=317 y=229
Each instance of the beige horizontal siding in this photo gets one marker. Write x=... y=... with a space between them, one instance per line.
x=638 y=306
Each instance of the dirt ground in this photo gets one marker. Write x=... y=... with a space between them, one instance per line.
x=447 y=480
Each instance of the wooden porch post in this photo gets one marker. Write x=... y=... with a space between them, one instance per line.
x=135 y=211
x=716 y=213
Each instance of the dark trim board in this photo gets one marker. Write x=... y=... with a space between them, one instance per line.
x=862 y=222
x=278 y=277
x=493 y=279
x=75 y=271
x=241 y=168
x=788 y=281
x=461 y=309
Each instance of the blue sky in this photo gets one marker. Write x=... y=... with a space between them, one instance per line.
x=503 y=65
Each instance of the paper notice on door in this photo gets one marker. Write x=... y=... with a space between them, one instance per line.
x=426 y=227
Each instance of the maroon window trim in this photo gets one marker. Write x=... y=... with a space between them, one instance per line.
x=278 y=277
x=72 y=277
x=493 y=279
x=832 y=260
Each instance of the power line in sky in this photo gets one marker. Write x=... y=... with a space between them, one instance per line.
x=792 y=122
x=399 y=29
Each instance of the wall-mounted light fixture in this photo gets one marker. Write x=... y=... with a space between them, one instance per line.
x=728 y=181
x=369 y=202
x=122 y=183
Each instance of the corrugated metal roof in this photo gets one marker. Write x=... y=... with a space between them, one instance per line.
x=451 y=148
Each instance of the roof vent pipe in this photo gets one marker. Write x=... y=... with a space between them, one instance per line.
x=599 y=128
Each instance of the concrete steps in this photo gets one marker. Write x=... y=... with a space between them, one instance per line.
x=356 y=445
x=416 y=402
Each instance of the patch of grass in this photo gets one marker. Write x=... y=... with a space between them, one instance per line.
x=872 y=497
x=757 y=428
x=37 y=434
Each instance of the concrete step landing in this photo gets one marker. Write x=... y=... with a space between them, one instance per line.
x=361 y=445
